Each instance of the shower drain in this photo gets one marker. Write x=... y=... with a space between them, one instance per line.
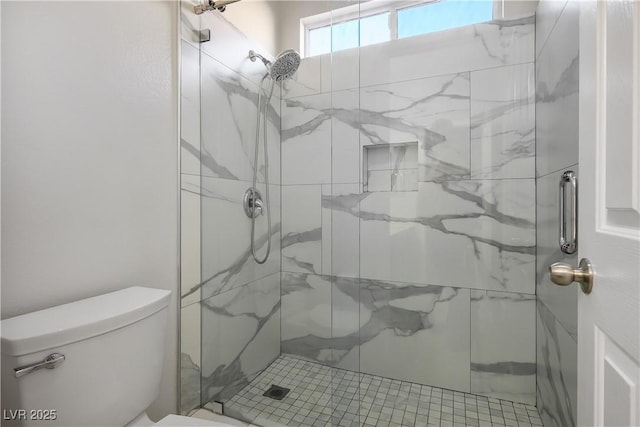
x=276 y=392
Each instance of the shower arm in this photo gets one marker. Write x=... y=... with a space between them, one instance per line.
x=253 y=56
x=220 y=5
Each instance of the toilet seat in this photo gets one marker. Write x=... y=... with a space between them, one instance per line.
x=173 y=420
x=181 y=421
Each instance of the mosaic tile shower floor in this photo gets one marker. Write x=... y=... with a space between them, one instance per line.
x=379 y=402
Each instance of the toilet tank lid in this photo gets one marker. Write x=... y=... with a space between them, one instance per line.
x=79 y=320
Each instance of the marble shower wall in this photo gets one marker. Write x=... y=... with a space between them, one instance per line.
x=230 y=305
x=431 y=279
x=557 y=73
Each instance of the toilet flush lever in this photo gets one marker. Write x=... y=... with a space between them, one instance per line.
x=49 y=362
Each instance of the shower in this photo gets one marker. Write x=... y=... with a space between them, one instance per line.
x=282 y=68
x=391 y=275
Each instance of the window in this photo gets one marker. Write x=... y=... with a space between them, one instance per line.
x=379 y=21
x=437 y=16
x=348 y=34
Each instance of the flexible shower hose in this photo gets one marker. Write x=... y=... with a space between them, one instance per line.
x=266 y=172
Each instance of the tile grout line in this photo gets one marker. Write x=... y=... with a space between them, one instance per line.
x=308 y=380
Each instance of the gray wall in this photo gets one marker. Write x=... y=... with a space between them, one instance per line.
x=89 y=156
x=557 y=43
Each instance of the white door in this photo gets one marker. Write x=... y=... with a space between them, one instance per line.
x=609 y=213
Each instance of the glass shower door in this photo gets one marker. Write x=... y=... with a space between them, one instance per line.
x=341 y=216
x=445 y=217
x=240 y=301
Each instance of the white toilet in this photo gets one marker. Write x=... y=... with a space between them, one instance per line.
x=105 y=357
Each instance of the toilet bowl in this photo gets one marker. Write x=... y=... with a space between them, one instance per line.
x=94 y=362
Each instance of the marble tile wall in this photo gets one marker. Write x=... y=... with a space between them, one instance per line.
x=499 y=370
x=240 y=336
x=475 y=341
x=438 y=278
x=230 y=304
x=557 y=59
x=557 y=376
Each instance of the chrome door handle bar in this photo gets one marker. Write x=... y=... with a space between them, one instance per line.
x=568 y=245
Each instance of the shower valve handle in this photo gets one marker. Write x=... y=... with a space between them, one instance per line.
x=253 y=204
x=257 y=207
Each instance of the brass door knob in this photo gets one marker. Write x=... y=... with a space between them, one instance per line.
x=563 y=274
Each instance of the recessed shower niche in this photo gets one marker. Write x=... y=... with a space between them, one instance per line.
x=390 y=167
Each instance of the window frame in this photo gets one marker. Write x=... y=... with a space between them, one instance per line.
x=364 y=10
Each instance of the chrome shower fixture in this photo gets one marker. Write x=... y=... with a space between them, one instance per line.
x=283 y=67
x=253 y=55
x=220 y=5
x=252 y=203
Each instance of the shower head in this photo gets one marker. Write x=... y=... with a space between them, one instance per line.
x=283 y=67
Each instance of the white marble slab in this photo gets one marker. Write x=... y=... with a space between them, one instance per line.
x=503 y=122
x=557 y=69
x=340 y=70
x=229 y=113
x=434 y=112
x=320 y=319
x=557 y=375
x=345 y=323
x=306 y=134
x=341 y=234
x=327 y=219
x=190 y=110
x=473 y=234
x=302 y=228
x=378 y=181
x=547 y=14
x=562 y=301
x=241 y=336
x=189 y=358
x=306 y=81
x=503 y=345
x=474 y=47
x=189 y=239
x=306 y=314
x=345 y=137
x=415 y=333
x=227 y=261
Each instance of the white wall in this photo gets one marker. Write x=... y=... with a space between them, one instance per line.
x=290 y=13
x=275 y=24
x=258 y=20
x=90 y=156
x=0 y=155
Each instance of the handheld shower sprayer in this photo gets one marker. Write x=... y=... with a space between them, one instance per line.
x=282 y=68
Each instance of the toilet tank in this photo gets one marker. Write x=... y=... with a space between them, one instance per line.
x=113 y=347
